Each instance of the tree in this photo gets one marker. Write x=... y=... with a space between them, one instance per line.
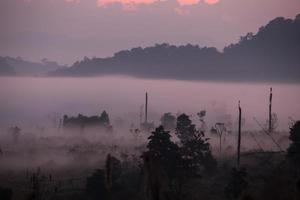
x=102 y=184
x=185 y=130
x=95 y=186
x=197 y=154
x=104 y=118
x=195 y=149
x=220 y=128
x=113 y=171
x=6 y=193
x=237 y=184
x=247 y=37
x=294 y=148
x=162 y=148
x=168 y=121
x=156 y=181
x=297 y=17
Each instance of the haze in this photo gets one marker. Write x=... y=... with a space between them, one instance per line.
x=29 y=101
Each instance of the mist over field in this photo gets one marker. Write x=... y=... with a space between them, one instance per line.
x=149 y=100
x=37 y=105
x=32 y=101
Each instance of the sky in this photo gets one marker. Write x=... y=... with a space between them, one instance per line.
x=67 y=30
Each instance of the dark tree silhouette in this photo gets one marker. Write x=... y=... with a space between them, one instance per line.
x=185 y=130
x=294 y=148
x=156 y=181
x=82 y=121
x=237 y=184
x=113 y=171
x=96 y=187
x=195 y=149
x=5 y=194
x=162 y=148
x=104 y=118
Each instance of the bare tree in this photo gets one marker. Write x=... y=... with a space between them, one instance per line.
x=220 y=130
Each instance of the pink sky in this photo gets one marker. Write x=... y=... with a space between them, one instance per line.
x=134 y=3
x=67 y=30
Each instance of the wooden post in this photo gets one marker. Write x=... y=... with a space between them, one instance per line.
x=146 y=109
x=270 y=111
x=239 y=137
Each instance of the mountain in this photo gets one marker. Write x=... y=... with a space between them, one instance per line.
x=6 y=69
x=273 y=54
x=26 y=68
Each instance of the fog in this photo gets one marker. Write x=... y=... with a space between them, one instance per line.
x=68 y=155
x=30 y=102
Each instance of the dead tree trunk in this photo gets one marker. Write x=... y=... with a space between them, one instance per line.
x=239 y=137
x=270 y=111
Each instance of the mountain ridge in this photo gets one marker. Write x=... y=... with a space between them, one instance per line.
x=273 y=54
x=23 y=67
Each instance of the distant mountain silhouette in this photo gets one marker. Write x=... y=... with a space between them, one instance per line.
x=26 y=68
x=273 y=54
x=6 y=69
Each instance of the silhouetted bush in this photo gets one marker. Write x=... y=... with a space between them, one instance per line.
x=95 y=186
x=237 y=184
x=294 y=148
x=6 y=194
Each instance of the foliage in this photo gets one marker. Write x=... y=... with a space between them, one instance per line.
x=196 y=153
x=270 y=54
x=195 y=149
x=294 y=148
x=104 y=118
x=161 y=147
x=185 y=130
x=5 y=194
x=237 y=184
x=95 y=186
x=85 y=121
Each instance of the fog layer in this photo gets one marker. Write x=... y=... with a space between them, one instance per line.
x=33 y=101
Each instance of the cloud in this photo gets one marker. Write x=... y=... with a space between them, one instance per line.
x=187 y=2
x=181 y=11
x=127 y=4
x=132 y=4
x=211 y=2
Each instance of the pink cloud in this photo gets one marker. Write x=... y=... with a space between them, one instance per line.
x=127 y=4
x=130 y=5
x=187 y=2
x=194 y=2
x=211 y=2
x=181 y=11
